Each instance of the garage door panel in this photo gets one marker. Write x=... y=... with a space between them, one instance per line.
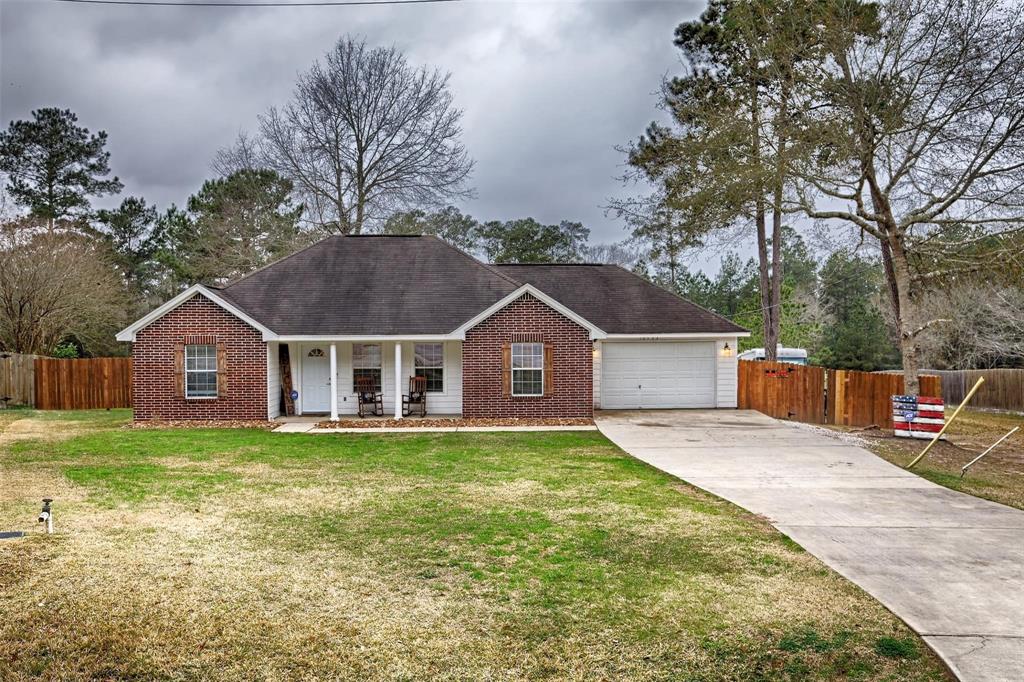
x=658 y=375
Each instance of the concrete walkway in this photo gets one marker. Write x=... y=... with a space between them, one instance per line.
x=301 y=427
x=950 y=565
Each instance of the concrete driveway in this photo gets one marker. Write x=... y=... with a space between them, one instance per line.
x=950 y=565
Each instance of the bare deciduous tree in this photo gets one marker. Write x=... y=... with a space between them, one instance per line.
x=364 y=136
x=985 y=329
x=925 y=134
x=54 y=284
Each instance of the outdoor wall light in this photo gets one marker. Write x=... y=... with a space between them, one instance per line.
x=726 y=351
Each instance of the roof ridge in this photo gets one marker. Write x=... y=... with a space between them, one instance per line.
x=681 y=298
x=279 y=260
x=487 y=266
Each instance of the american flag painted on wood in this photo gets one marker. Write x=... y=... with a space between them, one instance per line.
x=917 y=416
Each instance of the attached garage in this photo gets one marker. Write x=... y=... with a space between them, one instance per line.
x=661 y=374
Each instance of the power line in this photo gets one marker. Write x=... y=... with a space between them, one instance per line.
x=247 y=3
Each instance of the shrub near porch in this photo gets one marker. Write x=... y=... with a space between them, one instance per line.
x=227 y=554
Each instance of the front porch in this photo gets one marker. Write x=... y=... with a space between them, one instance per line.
x=439 y=423
x=317 y=418
x=324 y=372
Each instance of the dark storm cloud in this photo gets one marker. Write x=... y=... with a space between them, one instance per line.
x=548 y=88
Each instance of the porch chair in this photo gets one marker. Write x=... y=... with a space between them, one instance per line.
x=417 y=397
x=371 y=402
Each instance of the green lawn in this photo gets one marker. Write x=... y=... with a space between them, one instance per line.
x=999 y=476
x=220 y=554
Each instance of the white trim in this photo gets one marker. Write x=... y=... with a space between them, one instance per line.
x=513 y=369
x=129 y=332
x=215 y=371
x=444 y=373
x=398 y=380
x=334 y=382
x=367 y=338
x=675 y=335
x=458 y=334
x=595 y=331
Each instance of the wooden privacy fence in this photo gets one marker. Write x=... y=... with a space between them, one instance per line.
x=816 y=395
x=783 y=390
x=86 y=384
x=17 y=379
x=1003 y=388
x=865 y=398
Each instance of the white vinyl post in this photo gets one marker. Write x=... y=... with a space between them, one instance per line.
x=333 y=382
x=398 y=380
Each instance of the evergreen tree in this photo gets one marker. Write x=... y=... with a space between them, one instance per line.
x=856 y=336
x=54 y=165
x=233 y=225
x=527 y=241
x=135 y=236
x=449 y=224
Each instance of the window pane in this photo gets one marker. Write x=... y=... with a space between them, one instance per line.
x=200 y=358
x=527 y=382
x=429 y=354
x=201 y=384
x=428 y=361
x=366 y=355
x=373 y=374
x=435 y=378
x=200 y=371
x=528 y=355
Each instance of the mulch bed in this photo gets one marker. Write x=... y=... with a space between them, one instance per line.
x=449 y=423
x=202 y=424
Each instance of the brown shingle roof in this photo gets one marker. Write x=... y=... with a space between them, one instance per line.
x=619 y=301
x=370 y=285
x=384 y=285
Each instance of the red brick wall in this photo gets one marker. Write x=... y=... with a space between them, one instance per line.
x=572 y=364
x=153 y=365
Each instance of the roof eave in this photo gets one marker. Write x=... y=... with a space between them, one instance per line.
x=130 y=332
x=595 y=331
x=678 y=335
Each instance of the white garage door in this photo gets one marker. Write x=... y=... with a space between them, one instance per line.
x=661 y=374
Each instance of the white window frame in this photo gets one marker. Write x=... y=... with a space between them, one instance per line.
x=201 y=371
x=379 y=367
x=514 y=369
x=441 y=367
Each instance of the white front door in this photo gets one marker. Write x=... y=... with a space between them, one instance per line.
x=316 y=379
x=657 y=374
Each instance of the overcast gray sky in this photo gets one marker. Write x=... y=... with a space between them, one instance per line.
x=548 y=88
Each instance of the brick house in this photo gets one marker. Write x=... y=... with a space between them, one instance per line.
x=532 y=340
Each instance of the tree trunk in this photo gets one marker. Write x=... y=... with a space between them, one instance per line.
x=773 y=312
x=765 y=281
x=767 y=308
x=905 y=306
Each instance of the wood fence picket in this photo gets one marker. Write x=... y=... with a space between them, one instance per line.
x=816 y=395
x=83 y=384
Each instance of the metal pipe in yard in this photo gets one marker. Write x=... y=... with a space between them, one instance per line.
x=990 y=449
x=46 y=515
x=963 y=403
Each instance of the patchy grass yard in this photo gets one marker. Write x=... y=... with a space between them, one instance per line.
x=999 y=476
x=230 y=554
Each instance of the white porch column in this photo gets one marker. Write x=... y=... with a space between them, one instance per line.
x=398 y=379
x=334 y=382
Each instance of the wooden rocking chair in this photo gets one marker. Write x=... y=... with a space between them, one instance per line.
x=417 y=397
x=371 y=401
